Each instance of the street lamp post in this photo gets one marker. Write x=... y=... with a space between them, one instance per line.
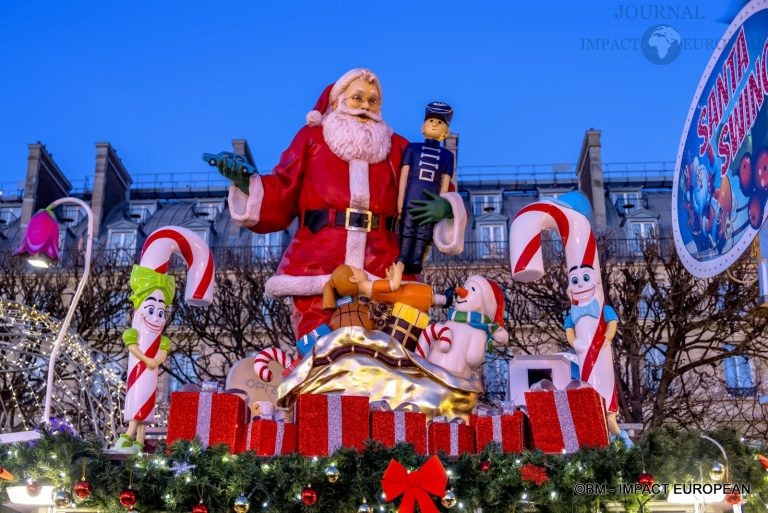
x=42 y=238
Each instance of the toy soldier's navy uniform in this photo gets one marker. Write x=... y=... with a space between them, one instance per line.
x=428 y=162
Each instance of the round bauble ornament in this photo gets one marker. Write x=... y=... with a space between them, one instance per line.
x=309 y=496
x=127 y=497
x=241 y=504
x=34 y=487
x=733 y=498
x=364 y=507
x=61 y=498
x=485 y=466
x=717 y=472
x=332 y=473
x=449 y=499
x=200 y=508
x=82 y=490
x=645 y=479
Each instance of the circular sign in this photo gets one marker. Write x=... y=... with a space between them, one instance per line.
x=721 y=173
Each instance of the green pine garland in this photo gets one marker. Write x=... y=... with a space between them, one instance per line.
x=275 y=484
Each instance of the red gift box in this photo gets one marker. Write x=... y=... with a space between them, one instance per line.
x=502 y=425
x=328 y=422
x=401 y=425
x=214 y=418
x=267 y=437
x=564 y=421
x=452 y=438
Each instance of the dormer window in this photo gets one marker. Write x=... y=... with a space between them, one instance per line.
x=140 y=212
x=627 y=202
x=208 y=210
x=484 y=204
x=122 y=246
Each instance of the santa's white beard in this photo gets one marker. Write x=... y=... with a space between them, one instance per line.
x=349 y=138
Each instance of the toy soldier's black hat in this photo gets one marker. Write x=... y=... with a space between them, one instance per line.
x=439 y=110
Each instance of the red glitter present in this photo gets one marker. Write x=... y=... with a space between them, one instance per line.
x=328 y=422
x=214 y=418
x=564 y=421
x=503 y=425
x=453 y=438
x=392 y=427
x=268 y=437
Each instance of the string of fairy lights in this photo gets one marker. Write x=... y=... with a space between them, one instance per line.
x=88 y=392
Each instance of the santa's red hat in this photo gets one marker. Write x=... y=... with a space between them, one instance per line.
x=332 y=92
x=493 y=300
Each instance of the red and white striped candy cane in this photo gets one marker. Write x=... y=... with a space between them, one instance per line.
x=527 y=264
x=432 y=334
x=163 y=243
x=141 y=385
x=262 y=359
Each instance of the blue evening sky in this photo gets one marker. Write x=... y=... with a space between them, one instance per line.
x=166 y=81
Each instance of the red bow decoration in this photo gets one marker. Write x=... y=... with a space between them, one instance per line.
x=534 y=474
x=416 y=486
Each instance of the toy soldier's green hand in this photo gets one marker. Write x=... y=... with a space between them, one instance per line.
x=233 y=167
x=431 y=210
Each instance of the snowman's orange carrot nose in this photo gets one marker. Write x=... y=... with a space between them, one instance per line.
x=461 y=292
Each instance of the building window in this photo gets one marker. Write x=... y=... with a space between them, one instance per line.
x=122 y=246
x=643 y=229
x=183 y=370
x=208 y=211
x=267 y=246
x=739 y=375
x=71 y=215
x=628 y=201
x=484 y=204
x=492 y=240
x=654 y=366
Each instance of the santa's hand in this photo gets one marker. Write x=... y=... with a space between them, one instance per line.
x=233 y=167
x=430 y=210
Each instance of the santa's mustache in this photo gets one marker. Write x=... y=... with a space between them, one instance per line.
x=359 y=112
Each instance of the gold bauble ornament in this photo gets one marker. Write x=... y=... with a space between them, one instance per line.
x=332 y=473
x=241 y=504
x=449 y=499
x=717 y=472
x=364 y=507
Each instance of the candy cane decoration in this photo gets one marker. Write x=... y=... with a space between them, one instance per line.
x=568 y=216
x=262 y=359
x=147 y=279
x=432 y=334
x=163 y=243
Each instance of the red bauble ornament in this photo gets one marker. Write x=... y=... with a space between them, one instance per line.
x=645 y=479
x=200 y=508
x=82 y=489
x=309 y=496
x=127 y=497
x=34 y=487
x=485 y=466
x=733 y=498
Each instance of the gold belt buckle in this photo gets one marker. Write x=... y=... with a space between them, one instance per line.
x=368 y=221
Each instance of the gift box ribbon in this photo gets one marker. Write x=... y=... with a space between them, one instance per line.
x=279 y=436
x=564 y=415
x=495 y=412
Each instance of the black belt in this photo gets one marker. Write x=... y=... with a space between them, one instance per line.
x=354 y=219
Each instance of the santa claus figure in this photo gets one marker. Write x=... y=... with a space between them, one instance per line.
x=340 y=178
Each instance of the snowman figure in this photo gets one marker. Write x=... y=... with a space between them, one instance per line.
x=590 y=327
x=458 y=345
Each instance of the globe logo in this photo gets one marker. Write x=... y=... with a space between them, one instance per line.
x=661 y=44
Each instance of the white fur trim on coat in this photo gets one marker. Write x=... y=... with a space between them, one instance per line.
x=284 y=285
x=359 y=197
x=449 y=233
x=245 y=209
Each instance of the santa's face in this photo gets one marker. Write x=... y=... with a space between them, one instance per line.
x=363 y=98
x=583 y=285
x=150 y=316
x=470 y=297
